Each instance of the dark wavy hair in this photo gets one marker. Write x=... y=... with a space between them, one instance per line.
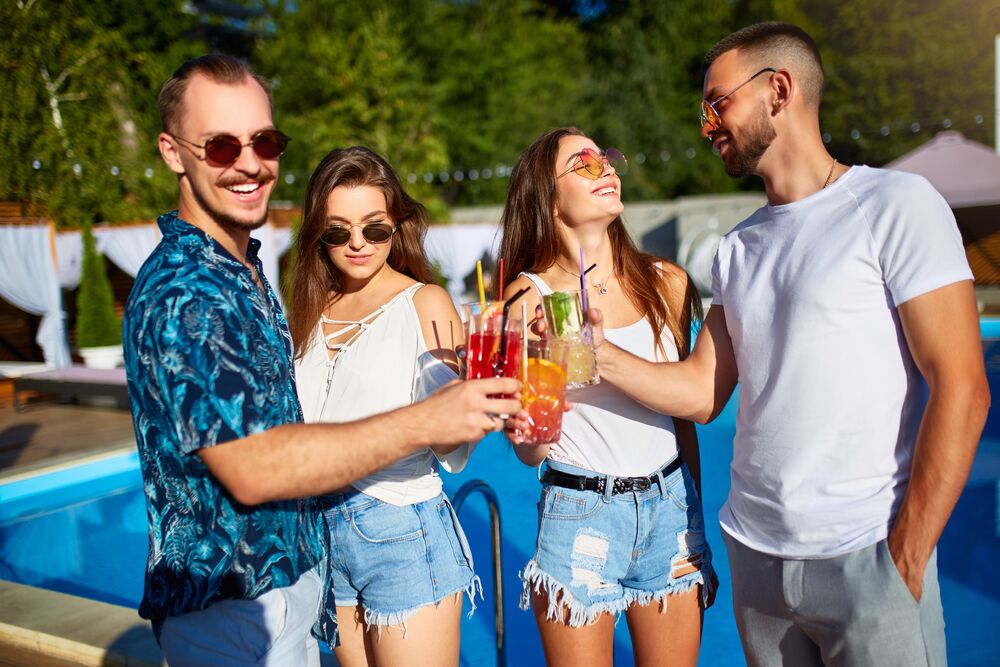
x=530 y=242
x=315 y=275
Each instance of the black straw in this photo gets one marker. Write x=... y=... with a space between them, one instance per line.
x=503 y=323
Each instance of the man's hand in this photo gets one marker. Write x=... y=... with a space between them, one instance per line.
x=464 y=412
x=911 y=569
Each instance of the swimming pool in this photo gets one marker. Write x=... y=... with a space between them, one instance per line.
x=83 y=531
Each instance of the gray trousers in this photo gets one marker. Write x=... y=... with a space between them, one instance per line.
x=269 y=631
x=849 y=610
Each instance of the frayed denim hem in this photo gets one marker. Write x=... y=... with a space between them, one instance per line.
x=560 y=599
x=380 y=620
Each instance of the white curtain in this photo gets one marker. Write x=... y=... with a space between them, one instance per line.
x=28 y=279
x=455 y=249
x=69 y=258
x=128 y=246
x=274 y=241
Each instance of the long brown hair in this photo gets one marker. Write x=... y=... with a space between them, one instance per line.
x=315 y=275
x=530 y=242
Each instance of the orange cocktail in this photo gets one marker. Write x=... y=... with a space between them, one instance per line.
x=543 y=391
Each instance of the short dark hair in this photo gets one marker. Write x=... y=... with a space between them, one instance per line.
x=779 y=45
x=218 y=67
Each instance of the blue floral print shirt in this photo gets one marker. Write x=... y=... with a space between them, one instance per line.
x=209 y=360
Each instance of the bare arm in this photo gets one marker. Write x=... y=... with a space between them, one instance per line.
x=695 y=389
x=951 y=361
x=299 y=460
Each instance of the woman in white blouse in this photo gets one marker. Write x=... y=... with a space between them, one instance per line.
x=371 y=335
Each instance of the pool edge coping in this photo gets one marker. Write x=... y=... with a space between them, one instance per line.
x=61 y=626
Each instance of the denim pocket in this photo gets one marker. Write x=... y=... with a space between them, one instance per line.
x=456 y=536
x=568 y=504
x=382 y=523
x=681 y=489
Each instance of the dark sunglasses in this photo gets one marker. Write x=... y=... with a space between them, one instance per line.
x=224 y=149
x=375 y=232
x=590 y=164
x=710 y=117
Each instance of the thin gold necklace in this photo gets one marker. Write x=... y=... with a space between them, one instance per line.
x=601 y=286
x=830 y=175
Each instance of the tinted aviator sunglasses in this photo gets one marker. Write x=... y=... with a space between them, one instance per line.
x=710 y=118
x=374 y=232
x=590 y=164
x=224 y=149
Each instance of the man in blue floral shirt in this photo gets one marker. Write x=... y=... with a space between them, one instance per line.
x=237 y=545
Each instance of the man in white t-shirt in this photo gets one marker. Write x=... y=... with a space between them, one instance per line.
x=830 y=306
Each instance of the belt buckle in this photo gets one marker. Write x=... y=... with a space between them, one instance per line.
x=642 y=484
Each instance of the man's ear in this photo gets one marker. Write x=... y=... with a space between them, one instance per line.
x=783 y=89
x=169 y=152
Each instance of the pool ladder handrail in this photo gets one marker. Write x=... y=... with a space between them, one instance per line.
x=493 y=503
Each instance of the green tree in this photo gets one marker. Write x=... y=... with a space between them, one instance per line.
x=78 y=115
x=343 y=74
x=649 y=57
x=97 y=323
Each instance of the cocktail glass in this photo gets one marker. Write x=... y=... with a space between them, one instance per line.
x=543 y=391
x=564 y=320
x=490 y=352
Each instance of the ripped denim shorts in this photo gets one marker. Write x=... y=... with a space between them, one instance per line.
x=600 y=553
x=392 y=560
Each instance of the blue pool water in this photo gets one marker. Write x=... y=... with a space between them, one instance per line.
x=83 y=531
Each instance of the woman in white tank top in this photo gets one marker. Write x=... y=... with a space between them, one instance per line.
x=620 y=522
x=371 y=337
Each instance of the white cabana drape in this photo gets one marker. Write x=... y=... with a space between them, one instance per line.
x=69 y=258
x=274 y=242
x=127 y=246
x=455 y=249
x=29 y=280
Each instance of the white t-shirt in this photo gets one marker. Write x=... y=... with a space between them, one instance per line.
x=606 y=431
x=830 y=399
x=386 y=366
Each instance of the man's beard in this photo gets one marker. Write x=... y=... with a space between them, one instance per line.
x=222 y=218
x=758 y=136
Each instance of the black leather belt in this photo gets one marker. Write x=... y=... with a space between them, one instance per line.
x=599 y=484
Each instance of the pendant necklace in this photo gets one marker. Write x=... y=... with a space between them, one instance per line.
x=601 y=286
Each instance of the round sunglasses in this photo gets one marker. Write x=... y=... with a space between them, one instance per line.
x=223 y=150
x=590 y=164
x=375 y=232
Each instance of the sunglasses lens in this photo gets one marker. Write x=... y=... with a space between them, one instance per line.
x=336 y=236
x=223 y=149
x=269 y=144
x=709 y=117
x=377 y=233
x=617 y=160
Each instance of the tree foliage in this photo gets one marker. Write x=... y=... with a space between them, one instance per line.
x=97 y=323
x=451 y=91
x=78 y=114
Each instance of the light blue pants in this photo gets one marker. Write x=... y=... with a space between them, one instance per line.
x=850 y=610
x=269 y=631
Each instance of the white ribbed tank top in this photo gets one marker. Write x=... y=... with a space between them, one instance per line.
x=606 y=431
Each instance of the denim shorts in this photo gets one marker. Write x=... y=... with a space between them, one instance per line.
x=600 y=553
x=393 y=560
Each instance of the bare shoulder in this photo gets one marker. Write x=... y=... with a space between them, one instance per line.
x=671 y=273
x=434 y=301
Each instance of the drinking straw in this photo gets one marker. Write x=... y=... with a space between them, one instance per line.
x=503 y=322
x=583 y=287
x=482 y=290
x=500 y=281
x=589 y=268
x=524 y=341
